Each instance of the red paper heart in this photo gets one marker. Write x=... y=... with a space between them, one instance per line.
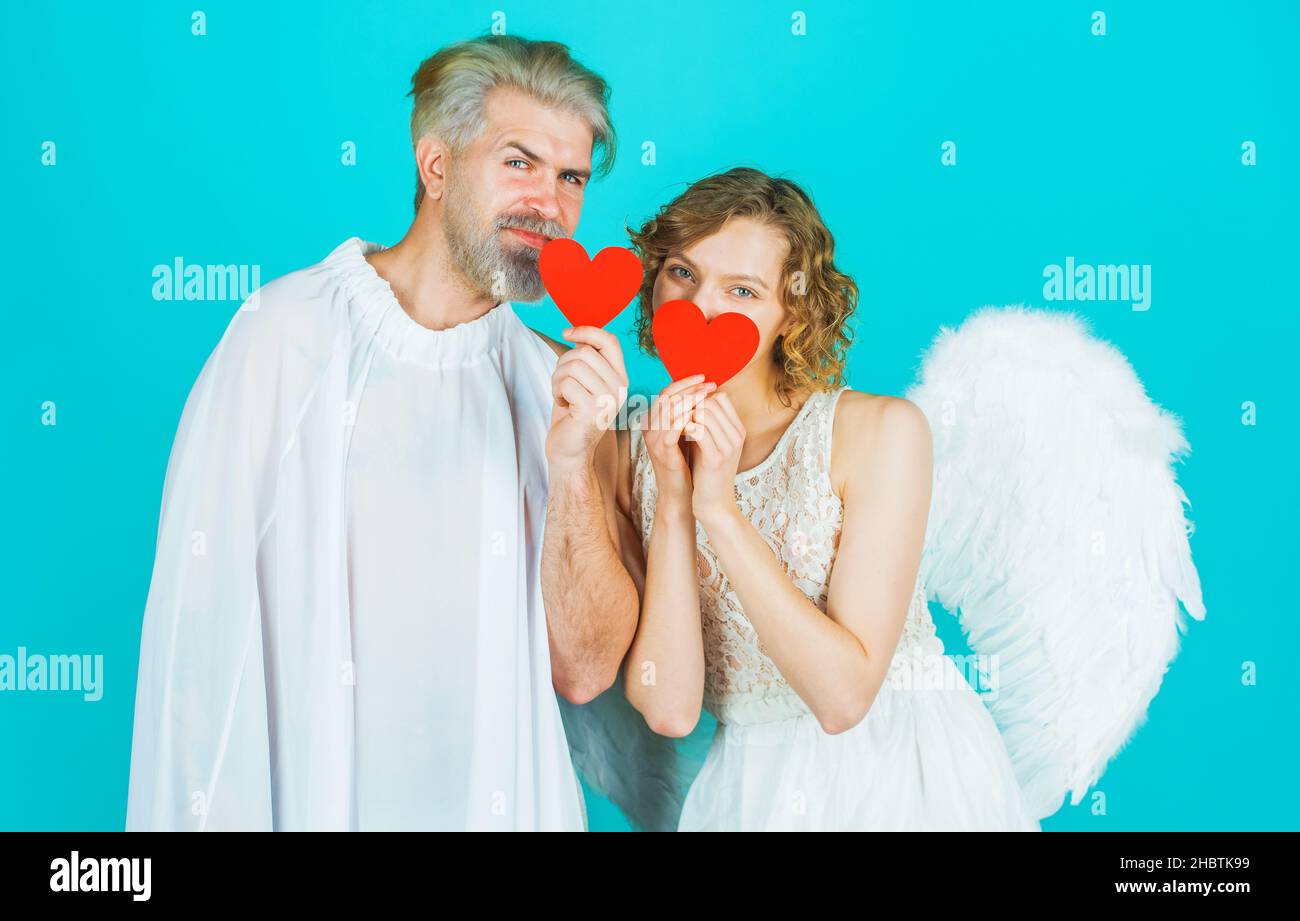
x=589 y=292
x=690 y=345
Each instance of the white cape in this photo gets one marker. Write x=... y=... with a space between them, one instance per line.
x=244 y=709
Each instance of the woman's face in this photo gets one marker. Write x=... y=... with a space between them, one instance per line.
x=737 y=270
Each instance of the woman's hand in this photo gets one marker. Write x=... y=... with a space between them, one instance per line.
x=719 y=437
x=663 y=428
x=663 y=673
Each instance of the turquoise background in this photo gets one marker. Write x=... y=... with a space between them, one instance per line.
x=225 y=148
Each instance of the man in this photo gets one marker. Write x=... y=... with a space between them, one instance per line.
x=345 y=626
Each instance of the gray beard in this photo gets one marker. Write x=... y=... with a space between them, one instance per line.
x=494 y=266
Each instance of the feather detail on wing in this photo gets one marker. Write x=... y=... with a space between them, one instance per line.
x=1057 y=534
x=644 y=774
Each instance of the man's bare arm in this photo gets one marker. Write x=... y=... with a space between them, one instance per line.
x=591 y=601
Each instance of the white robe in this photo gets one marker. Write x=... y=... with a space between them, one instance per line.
x=344 y=629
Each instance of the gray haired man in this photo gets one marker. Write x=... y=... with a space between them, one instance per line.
x=345 y=626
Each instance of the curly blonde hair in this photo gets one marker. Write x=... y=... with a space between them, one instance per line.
x=819 y=297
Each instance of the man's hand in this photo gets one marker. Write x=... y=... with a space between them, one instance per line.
x=590 y=599
x=589 y=388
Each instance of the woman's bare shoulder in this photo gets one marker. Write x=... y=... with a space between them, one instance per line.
x=875 y=432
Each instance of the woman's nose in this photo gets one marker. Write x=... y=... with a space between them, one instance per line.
x=710 y=304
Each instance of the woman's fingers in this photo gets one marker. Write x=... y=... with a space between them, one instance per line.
x=699 y=431
x=686 y=383
x=659 y=436
x=671 y=410
x=725 y=402
x=664 y=445
x=669 y=416
x=681 y=410
x=675 y=402
x=729 y=439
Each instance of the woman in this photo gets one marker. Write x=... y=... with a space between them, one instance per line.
x=782 y=518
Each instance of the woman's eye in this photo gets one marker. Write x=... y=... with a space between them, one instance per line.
x=748 y=293
x=516 y=160
x=685 y=272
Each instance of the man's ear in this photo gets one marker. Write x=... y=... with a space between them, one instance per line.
x=431 y=162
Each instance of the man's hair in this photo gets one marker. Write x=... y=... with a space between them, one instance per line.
x=818 y=295
x=451 y=88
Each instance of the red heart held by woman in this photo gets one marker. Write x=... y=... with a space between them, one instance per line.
x=690 y=345
x=589 y=292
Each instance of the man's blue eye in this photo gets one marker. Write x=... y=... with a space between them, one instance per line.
x=517 y=160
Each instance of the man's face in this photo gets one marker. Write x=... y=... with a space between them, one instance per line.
x=517 y=186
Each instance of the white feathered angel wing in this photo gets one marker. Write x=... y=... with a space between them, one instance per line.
x=1057 y=534
x=646 y=775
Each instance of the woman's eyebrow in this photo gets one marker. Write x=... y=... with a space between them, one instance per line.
x=753 y=279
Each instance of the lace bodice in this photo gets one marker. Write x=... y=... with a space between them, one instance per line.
x=790 y=501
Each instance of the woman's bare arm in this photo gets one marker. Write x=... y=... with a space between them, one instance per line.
x=838 y=661
x=664 y=671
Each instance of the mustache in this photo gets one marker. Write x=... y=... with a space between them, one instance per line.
x=531 y=223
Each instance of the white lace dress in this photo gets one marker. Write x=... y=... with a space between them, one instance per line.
x=928 y=755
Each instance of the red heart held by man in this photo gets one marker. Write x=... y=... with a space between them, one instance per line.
x=589 y=292
x=688 y=344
